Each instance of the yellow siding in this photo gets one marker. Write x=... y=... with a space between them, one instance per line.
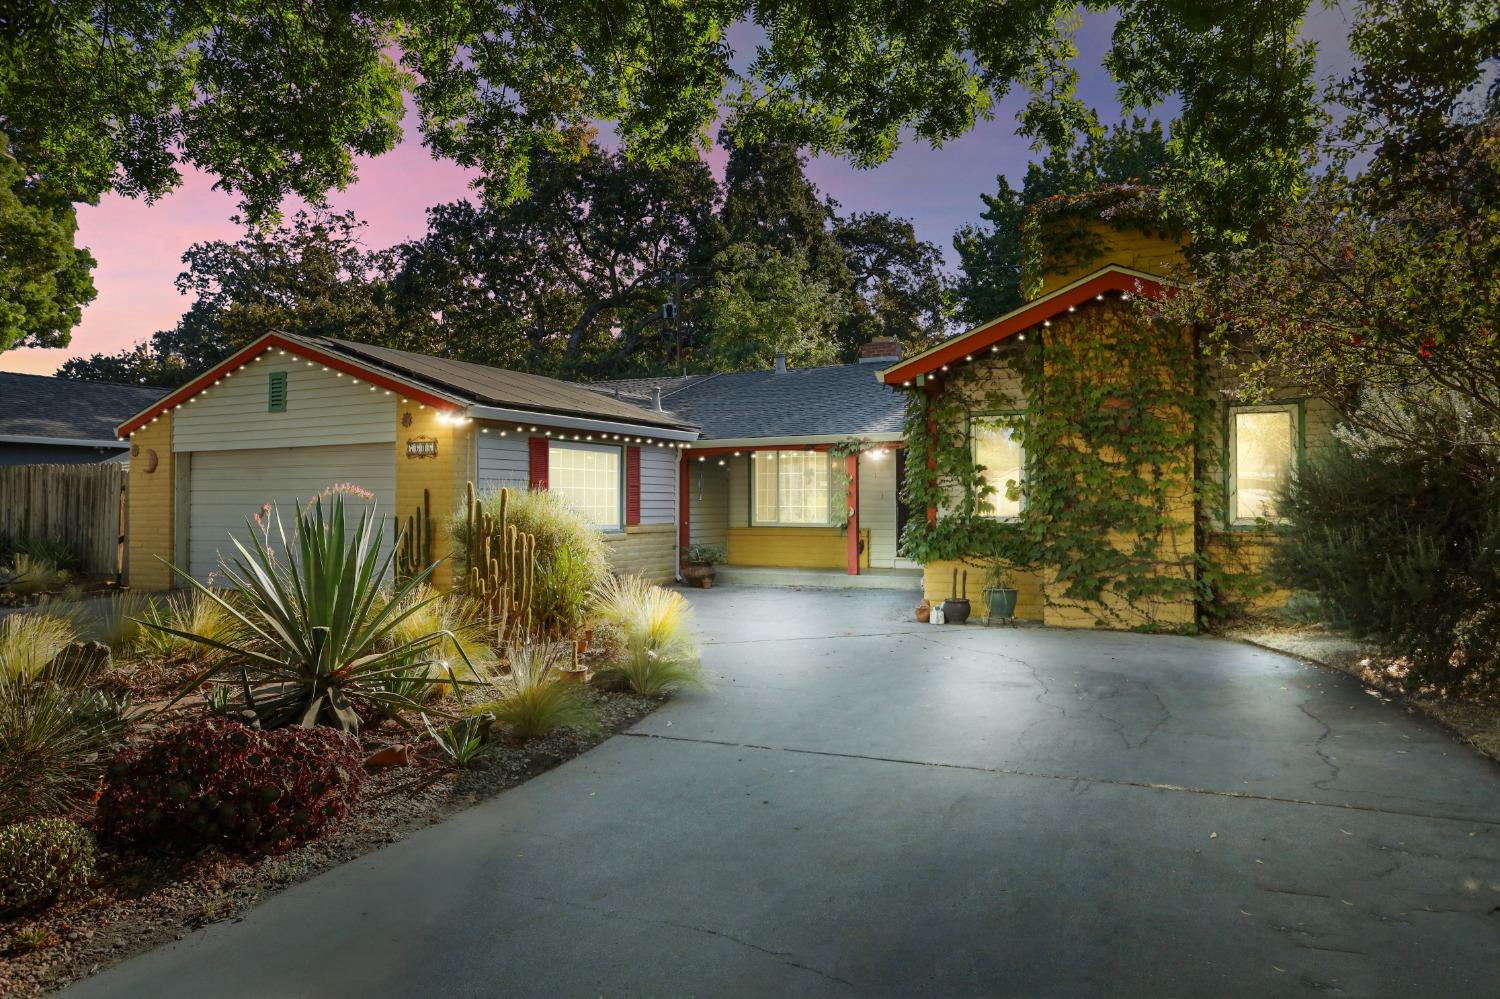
x=793 y=547
x=151 y=521
x=937 y=586
x=443 y=477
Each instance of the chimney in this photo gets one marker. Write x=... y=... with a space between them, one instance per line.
x=881 y=350
x=656 y=398
x=780 y=362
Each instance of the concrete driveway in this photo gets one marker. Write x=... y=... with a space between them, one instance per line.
x=865 y=806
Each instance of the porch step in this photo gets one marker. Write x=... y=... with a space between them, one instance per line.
x=821 y=579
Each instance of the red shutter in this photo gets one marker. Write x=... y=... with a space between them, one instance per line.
x=632 y=485
x=539 y=463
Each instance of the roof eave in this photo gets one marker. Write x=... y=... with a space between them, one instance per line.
x=1111 y=277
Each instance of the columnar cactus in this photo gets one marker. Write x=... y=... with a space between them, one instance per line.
x=414 y=550
x=502 y=567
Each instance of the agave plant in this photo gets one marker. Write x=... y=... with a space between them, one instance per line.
x=318 y=625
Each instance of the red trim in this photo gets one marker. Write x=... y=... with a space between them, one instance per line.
x=259 y=347
x=684 y=507
x=992 y=332
x=852 y=467
x=716 y=452
x=632 y=485
x=539 y=457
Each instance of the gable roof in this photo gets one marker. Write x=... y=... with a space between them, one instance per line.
x=38 y=409
x=1112 y=279
x=434 y=381
x=831 y=402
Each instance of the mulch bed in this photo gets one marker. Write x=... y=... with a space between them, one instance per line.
x=144 y=899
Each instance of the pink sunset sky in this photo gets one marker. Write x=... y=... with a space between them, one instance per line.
x=139 y=247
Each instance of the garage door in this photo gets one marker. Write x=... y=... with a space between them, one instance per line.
x=229 y=487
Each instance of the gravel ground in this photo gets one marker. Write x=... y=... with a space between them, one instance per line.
x=1476 y=724
x=144 y=900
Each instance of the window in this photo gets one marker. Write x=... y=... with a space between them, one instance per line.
x=997 y=447
x=790 y=487
x=276 y=392
x=1262 y=443
x=588 y=477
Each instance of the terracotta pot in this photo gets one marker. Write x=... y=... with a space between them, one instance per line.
x=924 y=612
x=573 y=675
x=698 y=573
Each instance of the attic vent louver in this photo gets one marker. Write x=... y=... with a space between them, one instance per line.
x=276 y=393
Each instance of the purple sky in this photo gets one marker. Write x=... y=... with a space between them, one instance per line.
x=139 y=247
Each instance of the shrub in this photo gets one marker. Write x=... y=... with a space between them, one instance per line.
x=216 y=781
x=30 y=642
x=165 y=625
x=536 y=700
x=44 y=860
x=440 y=633
x=571 y=558
x=29 y=575
x=318 y=626
x=655 y=627
x=1401 y=545
x=53 y=734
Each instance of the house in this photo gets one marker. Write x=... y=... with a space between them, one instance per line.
x=1095 y=455
x=288 y=416
x=795 y=468
x=60 y=421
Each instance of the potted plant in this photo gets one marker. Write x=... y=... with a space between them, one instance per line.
x=999 y=594
x=698 y=563
x=956 y=607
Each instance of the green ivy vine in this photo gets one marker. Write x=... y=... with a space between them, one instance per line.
x=1057 y=235
x=1119 y=433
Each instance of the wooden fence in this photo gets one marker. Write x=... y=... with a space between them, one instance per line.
x=83 y=505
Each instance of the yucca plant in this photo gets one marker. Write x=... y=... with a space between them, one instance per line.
x=317 y=625
x=655 y=625
x=536 y=700
x=462 y=739
x=29 y=642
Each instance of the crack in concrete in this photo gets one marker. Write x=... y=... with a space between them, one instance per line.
x=1075 y=778
x=1334 y=768
x=781 y=956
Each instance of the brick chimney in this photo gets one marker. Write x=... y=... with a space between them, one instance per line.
x=881 y=350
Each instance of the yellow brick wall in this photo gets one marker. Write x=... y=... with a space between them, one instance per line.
x=443 y=477
x=795 y=547
x=1141 y=251
x=647 y=550
x=937 y=586
x=150 y=525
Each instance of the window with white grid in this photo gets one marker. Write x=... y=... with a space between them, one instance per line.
x=791 y=487
x=588 y=477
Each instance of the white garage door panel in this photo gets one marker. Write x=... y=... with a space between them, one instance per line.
x=229 y=487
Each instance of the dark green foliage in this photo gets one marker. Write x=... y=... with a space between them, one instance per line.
x=56 y=552
x=44 y=279
x=218 y=782
x=1401 y=544
x=991 y=256
x=44 y=860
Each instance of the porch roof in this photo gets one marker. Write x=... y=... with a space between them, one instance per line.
x=1110 y=280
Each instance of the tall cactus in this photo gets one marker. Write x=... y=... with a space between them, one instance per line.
x=414 y=551
x=502 y=567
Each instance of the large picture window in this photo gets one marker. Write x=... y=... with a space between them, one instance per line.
x=790 y=487
x=588 y=477
x=997 y=448
x=1262 y=453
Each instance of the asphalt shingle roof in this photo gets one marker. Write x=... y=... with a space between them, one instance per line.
x=39 y=406
x=838 y=401
x=500 y=387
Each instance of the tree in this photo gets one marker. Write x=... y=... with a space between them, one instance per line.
x=280 y=97
x=313 y=278
x=897 y=284
x=763 y=302
x=571 y=279
x=44 y=278
x=989 y=282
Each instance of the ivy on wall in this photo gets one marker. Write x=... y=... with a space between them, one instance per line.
x=1118 y=426
x=1060 y=233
